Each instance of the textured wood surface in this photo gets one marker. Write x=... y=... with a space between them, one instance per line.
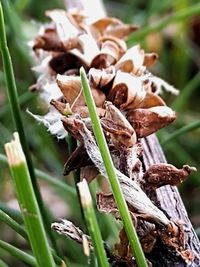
x=171 y=203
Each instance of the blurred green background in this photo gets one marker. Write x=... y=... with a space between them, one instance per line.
x=178 y=46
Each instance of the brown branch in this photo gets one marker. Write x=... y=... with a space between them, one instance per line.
x=169 y=201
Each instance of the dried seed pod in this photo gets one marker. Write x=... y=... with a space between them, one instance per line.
x=162 y=174
x=148 y=121
x=127 y=91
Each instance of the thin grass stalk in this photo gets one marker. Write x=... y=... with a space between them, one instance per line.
x=117 y=192
x=28 y=203
x=13 y=224
x=3 y=264
x=22 y=232
x=14 y=104
x=15 y=214
x=53 y=181
x=19 y=254
x=91 y=222
x=185 y=129
x=157 y=26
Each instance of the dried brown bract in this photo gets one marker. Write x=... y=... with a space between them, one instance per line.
x=162 y=174
x=148 y=121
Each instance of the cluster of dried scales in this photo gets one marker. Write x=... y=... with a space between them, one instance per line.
x=127 y=97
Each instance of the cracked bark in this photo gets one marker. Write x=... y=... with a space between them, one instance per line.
x=169 y=200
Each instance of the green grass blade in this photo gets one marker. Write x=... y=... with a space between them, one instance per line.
x=28 y=204
x=14 y=104
x=92 y=225
x=3 y=264
x=157 y=26
x=19 y=254
x=13 y=224
x=185 y=129
x=53 y=181
x=117 y=192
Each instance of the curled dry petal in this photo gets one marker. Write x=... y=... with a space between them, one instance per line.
x=89 y=49
x=132 y=60
x=66 y=26
x=151 y=100
x=148 y=121
x=107 y=56
x=103 y=23
x=122 y=133
x=48 y=41
x=121 y=31
x=150 y=59
x=72 y=91
x=100 y=78
x=162 y=174
x=127 y=91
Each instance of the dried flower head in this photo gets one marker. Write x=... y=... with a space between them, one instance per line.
x=129 y=103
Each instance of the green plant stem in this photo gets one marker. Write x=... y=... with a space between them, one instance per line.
x=53 y=181
x=13 y=99
x=92 y=225
x=117 y=192
x=157 y=26
x=19 y=254
x=13 y=224
x=28 y=204
x=187 y=128
x=21 y=231
x=3 y=264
